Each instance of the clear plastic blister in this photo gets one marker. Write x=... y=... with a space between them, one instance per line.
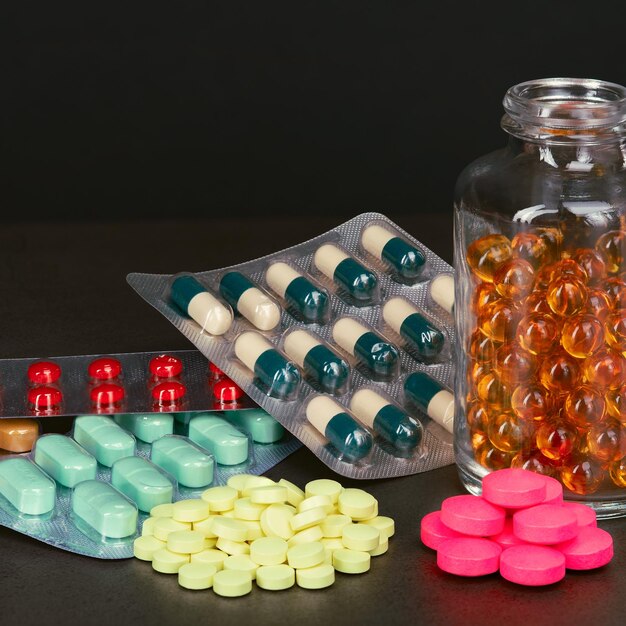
x=376 y=324
x=91 y=490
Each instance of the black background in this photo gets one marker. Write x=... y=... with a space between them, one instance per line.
x=197 y=108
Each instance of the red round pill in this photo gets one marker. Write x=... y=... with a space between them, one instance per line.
x=591 y=548
x=585 y=515
x=215 y=371
x=168 y=392
x=107 y=394
x=433 y=531
x=545 y=524
x=227 y=391
x=468 y=556
x=105 y=368
x=43 y=372
x=554 y=490
x=514 y=488
x=532 y=565
x=44 y=399
x=165 y=366
x=472 y=515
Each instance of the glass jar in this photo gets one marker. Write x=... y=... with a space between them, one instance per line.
x=540 y=258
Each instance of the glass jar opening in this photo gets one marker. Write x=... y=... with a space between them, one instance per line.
x=557 y=105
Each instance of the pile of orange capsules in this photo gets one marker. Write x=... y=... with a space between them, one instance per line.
x=546 y=367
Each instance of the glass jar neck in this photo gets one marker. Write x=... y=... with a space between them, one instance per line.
x=566 y=112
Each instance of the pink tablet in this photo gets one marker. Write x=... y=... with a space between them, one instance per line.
x=585 y=515
x=545 y=524
x=532 y=565
x=469 y=556
x=433 y=531
x=472 y=515
x=507 y=537
x=591 y=548
x=514 y=488
x=554 y=491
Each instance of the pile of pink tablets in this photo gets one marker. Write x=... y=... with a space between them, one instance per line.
x=520 y=526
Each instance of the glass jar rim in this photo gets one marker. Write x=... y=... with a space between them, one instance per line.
x=567 y=103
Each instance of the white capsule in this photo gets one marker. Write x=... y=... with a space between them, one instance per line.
x=366 y=404
x=441 y=409
x=346 y=332
x=396 y=311
x=279 y=276
x=375 y=238
x=442 y=291
x=256 y=307
x=210 y=313
x=327 y=258
x=298 y=344
x=249 y=346
x=320 y=410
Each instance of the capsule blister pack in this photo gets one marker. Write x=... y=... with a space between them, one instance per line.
x=345 y=339
x=91 y=490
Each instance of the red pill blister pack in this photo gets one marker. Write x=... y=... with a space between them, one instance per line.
x=345 y=339
x=141 y=382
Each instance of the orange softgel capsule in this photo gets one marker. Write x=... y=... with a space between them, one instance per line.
x=514 y=365
x=556 y=440
x=617 y=472
x=533 y=462
x=537 y=333
x=559 y=372
x=493 y=392
x=477 y=422
x=612 y=247
x=514 y=279
x=491 y=457
x=615 y=331
x=477 y=371
x=553 y=238
x=616 y=404
x=607 y=441
x=536 y=303
x=582 y=335
x=484 y=294
x=499 y=320
x=613 y=287
x=485 y=255
x=582 y=475
x=604 y=369
x=530 y=247
x=598 y=304
x=531 y=402
x=566 y=296
x=481 y=347
x=508 y=433
x=592 y=263
x=584 y=406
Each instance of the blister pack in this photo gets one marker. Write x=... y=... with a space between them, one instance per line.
x=90 y=491
x=345 y=339
x=133 y=382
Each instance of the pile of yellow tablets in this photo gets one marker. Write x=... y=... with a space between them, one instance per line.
x=272 y=532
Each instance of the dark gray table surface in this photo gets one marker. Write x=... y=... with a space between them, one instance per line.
x=64 y=292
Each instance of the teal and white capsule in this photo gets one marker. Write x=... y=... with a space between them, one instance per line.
x=310 y=302
x=333 y=421
x=248 y=300
x=191 y=297
x=346 y=272
x=406 y=260
x=318 y=361
x=426 y=340
x=386 y=419
x=430 y=397
x=378 y=355
x=279 y=377
x=442 y=291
